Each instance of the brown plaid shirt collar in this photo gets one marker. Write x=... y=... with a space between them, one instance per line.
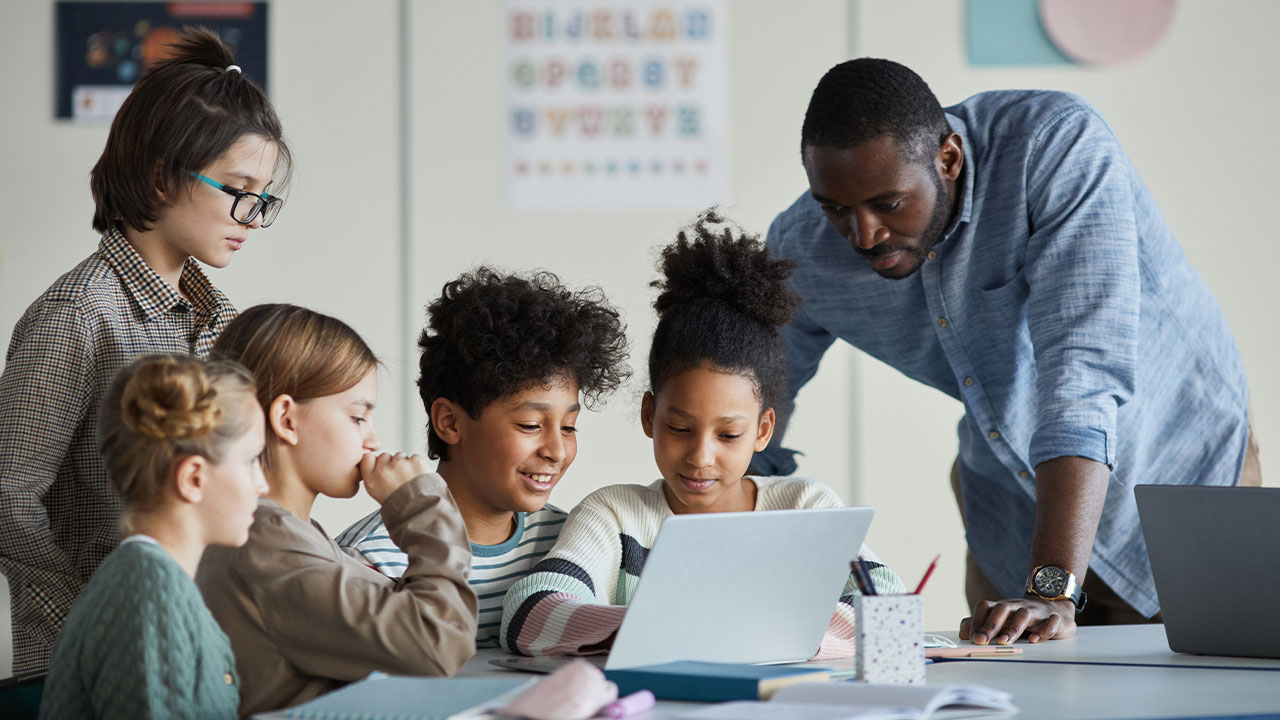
x=152 y=295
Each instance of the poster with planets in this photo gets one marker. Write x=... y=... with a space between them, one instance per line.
x=616 y=105
x=103 y=47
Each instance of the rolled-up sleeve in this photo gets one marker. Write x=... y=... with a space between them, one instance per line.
x=1082 y=272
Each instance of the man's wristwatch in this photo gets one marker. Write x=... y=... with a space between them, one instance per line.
x=1051 y=582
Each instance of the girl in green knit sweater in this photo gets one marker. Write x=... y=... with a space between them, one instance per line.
x=181 y=438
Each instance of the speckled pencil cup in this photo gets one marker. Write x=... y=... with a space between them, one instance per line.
x=889 y=631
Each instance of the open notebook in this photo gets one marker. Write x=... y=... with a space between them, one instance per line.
x=859 y=701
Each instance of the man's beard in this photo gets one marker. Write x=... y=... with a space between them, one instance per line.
x=931 y=235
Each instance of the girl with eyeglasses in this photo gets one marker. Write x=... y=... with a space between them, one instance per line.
x=191 y=165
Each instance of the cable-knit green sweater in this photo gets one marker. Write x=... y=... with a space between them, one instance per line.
x=140 y=643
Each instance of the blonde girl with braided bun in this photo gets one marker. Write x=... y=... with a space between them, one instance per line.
x=181 y=438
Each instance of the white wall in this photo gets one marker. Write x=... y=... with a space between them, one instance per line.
x=461 y=217
x=337 y=101
x=333 y=80
x=1193 y=115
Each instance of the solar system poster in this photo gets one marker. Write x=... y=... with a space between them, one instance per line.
x=103 y=47
x=616 y=105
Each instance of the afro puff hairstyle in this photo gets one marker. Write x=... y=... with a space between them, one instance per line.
x=721 y=302
x=490 y=335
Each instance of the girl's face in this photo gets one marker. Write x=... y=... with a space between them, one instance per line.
x=705 y=425
x=334 y=433
x=196 y=221
x=235 y=484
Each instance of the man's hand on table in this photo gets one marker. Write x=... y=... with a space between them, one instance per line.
x=1003 y=621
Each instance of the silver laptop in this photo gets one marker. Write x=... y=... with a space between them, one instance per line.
x=747 y=587
x=1215 y=554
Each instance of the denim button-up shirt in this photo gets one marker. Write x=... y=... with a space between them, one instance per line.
x=1060 y=310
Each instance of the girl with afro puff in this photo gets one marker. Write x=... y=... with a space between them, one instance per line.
x=715 y=367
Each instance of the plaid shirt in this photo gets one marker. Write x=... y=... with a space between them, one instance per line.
x=58 y=511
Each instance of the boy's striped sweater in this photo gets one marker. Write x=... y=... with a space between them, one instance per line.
x=494 y=568
x=574 y=600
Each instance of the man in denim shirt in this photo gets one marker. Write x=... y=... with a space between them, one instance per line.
x=1005 y=251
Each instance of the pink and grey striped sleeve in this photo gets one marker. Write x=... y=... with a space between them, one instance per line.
x=569 y=604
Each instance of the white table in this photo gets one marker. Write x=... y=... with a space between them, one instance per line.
x=1132 y=674
x=1128 y=645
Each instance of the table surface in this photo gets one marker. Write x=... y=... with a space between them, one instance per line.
x=1123 y=671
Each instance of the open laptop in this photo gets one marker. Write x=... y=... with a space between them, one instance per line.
x=1215 y=555
x=746 y=587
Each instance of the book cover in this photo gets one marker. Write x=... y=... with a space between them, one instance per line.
x=713 y=682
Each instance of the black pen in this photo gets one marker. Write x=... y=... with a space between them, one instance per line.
x=855 y=569
x=866 y=571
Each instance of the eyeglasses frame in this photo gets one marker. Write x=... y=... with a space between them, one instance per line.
x=260 y=202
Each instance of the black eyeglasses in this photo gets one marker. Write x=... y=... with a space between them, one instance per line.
x=244 y=212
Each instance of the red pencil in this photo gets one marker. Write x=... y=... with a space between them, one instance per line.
x=927 y=573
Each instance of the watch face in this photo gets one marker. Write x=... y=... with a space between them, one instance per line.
x=1050 y=581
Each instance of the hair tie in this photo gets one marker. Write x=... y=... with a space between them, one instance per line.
x=233 y=67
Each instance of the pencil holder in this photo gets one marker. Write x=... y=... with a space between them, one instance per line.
x=889 y=632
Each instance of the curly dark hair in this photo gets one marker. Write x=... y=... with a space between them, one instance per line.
x=721 y=303
x=490 y=335
x=869 y=98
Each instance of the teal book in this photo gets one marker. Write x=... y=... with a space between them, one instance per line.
x=713 y=682
x=386 y=697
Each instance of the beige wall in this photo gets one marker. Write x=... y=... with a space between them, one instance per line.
x=1191 y=115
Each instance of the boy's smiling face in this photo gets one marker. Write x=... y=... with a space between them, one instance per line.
x=513 y=453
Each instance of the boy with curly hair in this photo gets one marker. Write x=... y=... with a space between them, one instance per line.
x=505 y=360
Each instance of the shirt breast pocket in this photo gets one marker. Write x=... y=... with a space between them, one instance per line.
x=1006 y=298
x=1002 y=312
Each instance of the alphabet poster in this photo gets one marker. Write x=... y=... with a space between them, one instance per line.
x=616 y=105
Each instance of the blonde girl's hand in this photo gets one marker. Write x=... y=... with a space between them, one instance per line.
x=384 y=473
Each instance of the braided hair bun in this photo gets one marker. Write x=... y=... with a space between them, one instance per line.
x=167 y=400
x=162 y=408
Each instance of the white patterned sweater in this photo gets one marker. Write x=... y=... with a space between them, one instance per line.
x=574 y=600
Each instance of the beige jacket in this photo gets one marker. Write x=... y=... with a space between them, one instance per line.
x=304 y=617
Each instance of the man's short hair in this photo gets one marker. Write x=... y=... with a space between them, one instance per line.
x=865 y=99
